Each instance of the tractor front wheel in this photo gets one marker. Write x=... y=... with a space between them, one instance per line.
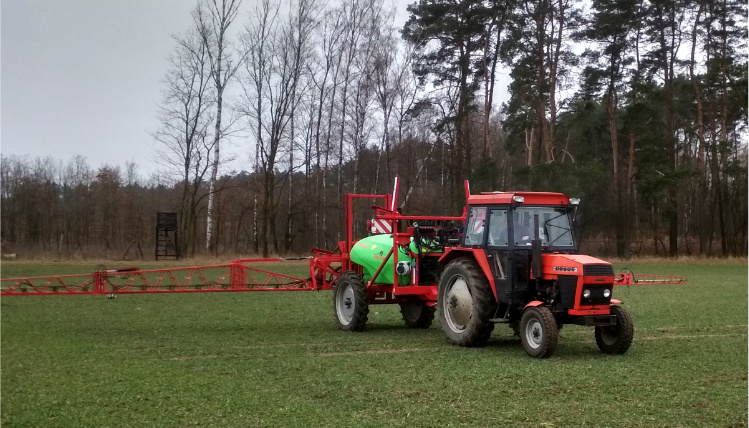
x=616 y=339
x=466 y=303
x=350 y=302
x=539 y=332
x=417 y=314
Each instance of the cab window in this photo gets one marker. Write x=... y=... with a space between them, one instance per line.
x=554 y=227
x=498 y=235
x=474 y=234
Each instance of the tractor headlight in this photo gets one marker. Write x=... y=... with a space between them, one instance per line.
x=518 y=199
x=586 y=293
x=607 y=293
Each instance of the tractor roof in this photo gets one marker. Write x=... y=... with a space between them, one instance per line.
x=531 y=198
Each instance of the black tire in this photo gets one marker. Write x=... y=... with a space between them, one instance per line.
x=539 y=332
x=350 y=304
x=417 y=314
x=466 y=303
x=616 y=339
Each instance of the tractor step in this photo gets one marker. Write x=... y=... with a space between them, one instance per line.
x=500 y=320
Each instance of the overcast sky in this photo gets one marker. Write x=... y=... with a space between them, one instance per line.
x=83 y=77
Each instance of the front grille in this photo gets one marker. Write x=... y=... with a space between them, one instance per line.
x=567 y=288
x=596 y=294
x=598 y=270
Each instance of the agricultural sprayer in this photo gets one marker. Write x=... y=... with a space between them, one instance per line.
x=510 y=258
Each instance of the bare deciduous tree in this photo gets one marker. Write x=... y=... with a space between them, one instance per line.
x=213 y=25
x=275 y=59
x=186 y=116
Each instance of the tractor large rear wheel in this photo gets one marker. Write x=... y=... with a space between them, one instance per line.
x=466 y=303
x=616 y=339
x=417 y=314
x=350 y=302
x=539 y=332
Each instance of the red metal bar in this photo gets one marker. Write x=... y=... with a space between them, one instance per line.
x=321 y=270
x=419 y=217
x=235 y=276
x=348 y=208
x=646 y=279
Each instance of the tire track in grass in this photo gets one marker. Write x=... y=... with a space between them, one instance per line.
x=669 y=333
x=193 y=357
x=326 y=344
x=688 y=336
x=568 y=388
x=295 y=345
x=674 y=333
x=380 y=350
x=375 y=351
x=697 y=328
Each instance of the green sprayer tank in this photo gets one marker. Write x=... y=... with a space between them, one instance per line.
x=371 y=251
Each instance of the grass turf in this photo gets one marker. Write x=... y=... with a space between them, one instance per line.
x=276 y=359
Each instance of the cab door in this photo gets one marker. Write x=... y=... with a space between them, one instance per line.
x=499 y=254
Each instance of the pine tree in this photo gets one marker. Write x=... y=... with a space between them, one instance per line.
x=449 y=38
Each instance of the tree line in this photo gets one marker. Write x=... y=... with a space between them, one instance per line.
x=638 y=107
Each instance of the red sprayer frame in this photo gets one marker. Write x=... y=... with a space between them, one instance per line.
x=647 y=279
x=235 y=276
x=238 y=275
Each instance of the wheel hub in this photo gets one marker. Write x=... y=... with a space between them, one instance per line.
x=345 y=304
x=534 y=334
x=459 y=305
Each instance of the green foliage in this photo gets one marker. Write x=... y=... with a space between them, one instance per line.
x=654 y=187
x=484 y=177
x=584 y=125
x=583 y=179
x=457 y=30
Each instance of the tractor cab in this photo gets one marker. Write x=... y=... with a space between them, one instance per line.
x=515 y=229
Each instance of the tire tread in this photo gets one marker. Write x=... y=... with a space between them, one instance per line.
x=551 y=331
x=361 y=305
x=423 y=321
x=479 y=330
x=626 y=333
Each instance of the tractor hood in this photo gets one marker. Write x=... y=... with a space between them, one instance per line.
x=554 y=265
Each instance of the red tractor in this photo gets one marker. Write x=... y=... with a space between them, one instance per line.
x=511 y=258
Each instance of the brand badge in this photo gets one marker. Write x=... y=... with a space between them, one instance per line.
x=564 y=269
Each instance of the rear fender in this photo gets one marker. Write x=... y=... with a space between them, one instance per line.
x=477 y=254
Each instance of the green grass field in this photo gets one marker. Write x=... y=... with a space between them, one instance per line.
x=276 y=359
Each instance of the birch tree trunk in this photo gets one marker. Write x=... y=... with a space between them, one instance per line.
x=213 y=26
